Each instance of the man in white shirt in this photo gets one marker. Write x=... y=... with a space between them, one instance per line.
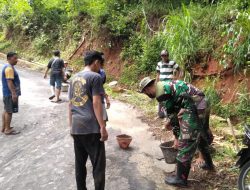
x=166 y=70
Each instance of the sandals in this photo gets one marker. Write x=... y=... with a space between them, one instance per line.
x=4 y=129
x=57 y=101
x=52 y=97
x=12 y=132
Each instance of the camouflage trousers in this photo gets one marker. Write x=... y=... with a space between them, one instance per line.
x=188 y=137
x=194 y=133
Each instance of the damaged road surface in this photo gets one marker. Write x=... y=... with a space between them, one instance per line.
x=41 y=157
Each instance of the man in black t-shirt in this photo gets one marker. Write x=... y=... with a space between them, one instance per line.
x=56 y=64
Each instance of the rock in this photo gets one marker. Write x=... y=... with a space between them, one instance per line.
x=126 y=95
x=215 y=117
x=113 y=84
x=118 y=90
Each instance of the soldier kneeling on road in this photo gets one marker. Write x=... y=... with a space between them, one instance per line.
x=188 y=111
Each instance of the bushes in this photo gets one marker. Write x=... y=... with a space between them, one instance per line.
x=238 y=40
x=240 y=108
x=40 y=22
x=179 y=34
x=210 y=92
x=42 y=44
x=133 y=48
x=180 y=37
x=243 y=103
x=130 y=75
x=151 y=54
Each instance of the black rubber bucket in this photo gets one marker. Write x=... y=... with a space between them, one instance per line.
x=169 y=152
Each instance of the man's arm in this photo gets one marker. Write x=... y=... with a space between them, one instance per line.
x=48 y=68
x=12 y=90
x=70 y=115
x=158 y=76
x=46 y=73
x=107 y=100
x=158 y=72
x=97 y=104
x=178 y=71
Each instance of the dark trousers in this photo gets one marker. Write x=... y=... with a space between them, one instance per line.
x=89 y=145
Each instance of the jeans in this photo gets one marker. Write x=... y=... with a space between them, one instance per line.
x=56 y=80
x=89 y=145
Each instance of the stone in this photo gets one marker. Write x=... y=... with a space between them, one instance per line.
x=113 y=84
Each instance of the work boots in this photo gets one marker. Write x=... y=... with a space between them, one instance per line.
x=180 y=180
x=208 y=165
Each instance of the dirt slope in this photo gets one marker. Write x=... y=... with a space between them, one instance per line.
x=228 y=82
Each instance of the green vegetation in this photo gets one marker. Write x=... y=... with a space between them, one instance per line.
x=192 y=34
x=190 y=30
x=239 y=108
x=134 y=98
x=193 y=31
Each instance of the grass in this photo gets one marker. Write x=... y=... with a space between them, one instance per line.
x=134 y=98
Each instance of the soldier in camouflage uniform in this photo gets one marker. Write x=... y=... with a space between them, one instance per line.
x=188 y=111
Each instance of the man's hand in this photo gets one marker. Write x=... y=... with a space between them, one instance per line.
x=104 y=134
x=176 y=144
x=14 y=98
x=107 y=100
x=181 y=112
x=108 y=104
x=168 y=126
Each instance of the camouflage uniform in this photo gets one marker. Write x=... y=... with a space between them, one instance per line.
x=190 y=127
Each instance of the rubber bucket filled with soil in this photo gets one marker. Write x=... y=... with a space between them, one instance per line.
x=124 y=140
x=169 y=152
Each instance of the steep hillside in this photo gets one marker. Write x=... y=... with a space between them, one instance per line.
x=208 y=39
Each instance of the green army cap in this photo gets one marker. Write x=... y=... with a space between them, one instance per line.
x=144 y=83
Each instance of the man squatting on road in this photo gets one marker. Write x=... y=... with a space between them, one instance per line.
x=88 y=127
x=188 y=111
x=11 y=92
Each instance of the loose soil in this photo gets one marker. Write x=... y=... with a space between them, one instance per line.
x=228 y=82
x=113 y=65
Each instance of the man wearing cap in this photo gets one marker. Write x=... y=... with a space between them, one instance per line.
x=88 y=127
x=166 y=70
x=186 y=104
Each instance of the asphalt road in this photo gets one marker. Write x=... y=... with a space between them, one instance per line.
x=42 y=157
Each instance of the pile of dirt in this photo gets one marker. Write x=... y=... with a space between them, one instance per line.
x=211 y=68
